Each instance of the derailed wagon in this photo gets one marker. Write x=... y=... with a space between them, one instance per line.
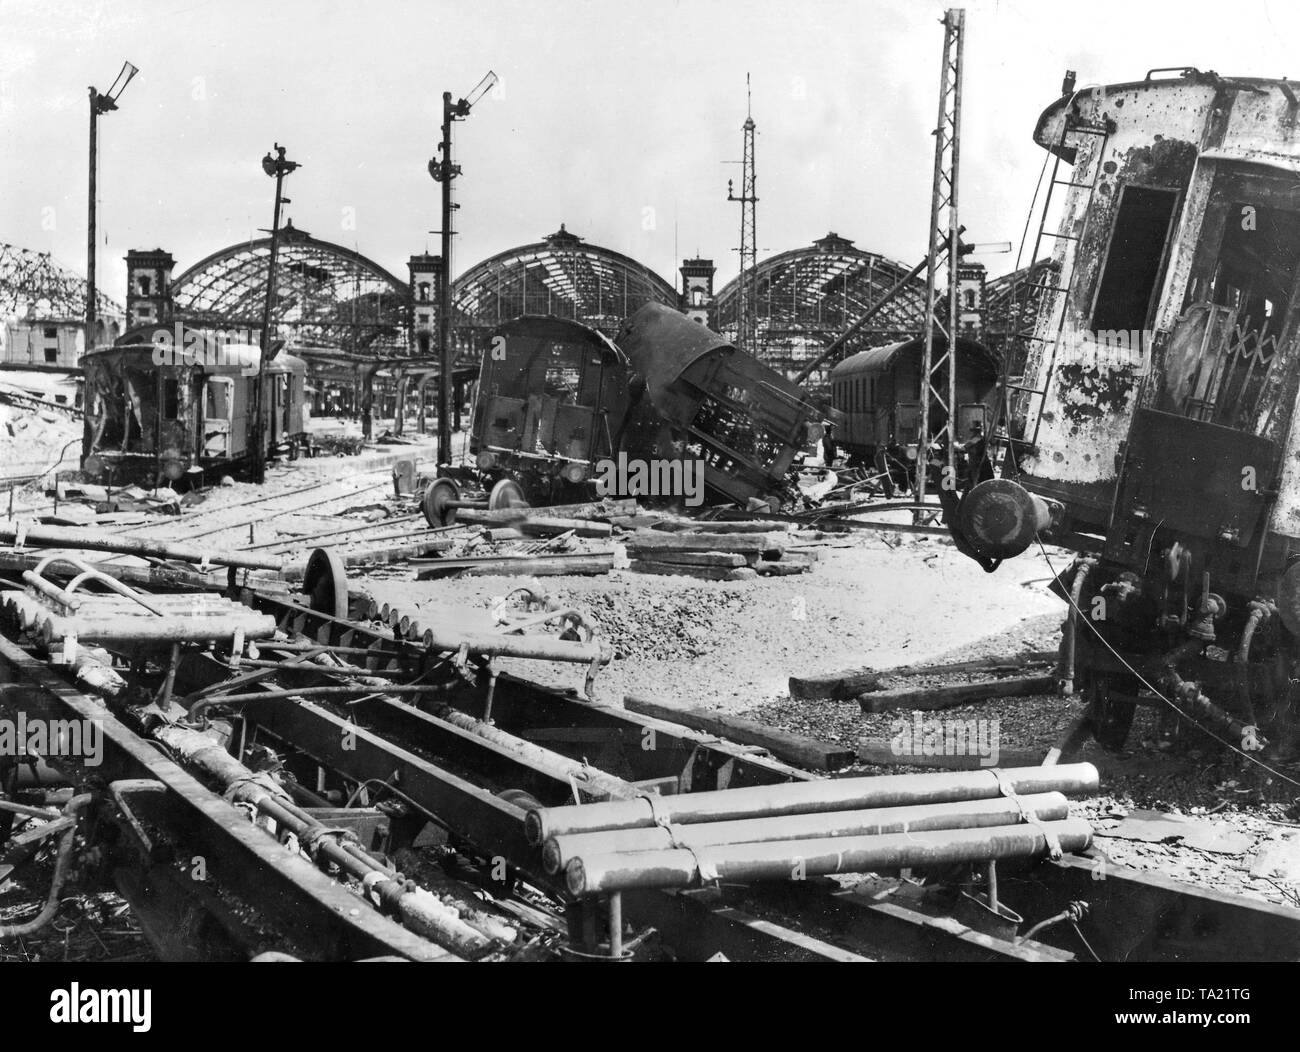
x=562 y=412
x=1154 y=430
x=697 y=397
x=552 y=401
x=161 y=413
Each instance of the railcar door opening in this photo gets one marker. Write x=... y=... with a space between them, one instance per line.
x=218 y=395
x=1222 y=387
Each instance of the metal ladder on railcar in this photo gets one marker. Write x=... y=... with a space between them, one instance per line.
x=1069 y=126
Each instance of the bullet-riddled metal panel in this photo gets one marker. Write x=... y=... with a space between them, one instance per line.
x=1085 y=382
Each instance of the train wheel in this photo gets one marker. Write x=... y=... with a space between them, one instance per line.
x=325 y=581
x=1110 y=717
x=437 y=497
x=506 y=494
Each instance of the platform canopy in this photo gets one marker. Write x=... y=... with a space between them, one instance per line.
x=806 y=297
x=560 y=275
x=326 y=295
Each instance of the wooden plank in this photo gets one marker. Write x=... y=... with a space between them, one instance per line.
x=634 y=522
x=753 y=543
x=538 y=565
x=784 y=568
x=805 y=752
x=852 y=682
x=513 y=516
x=538 y=526
x=957 y=694
x=704 y=573
x=725 y=559
x=882 y=754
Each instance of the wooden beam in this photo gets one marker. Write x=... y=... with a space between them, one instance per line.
x=745 y=543
x=726 y=559
x=852 y=682
x=536 y=566
x=957 y=694
x=704 y=573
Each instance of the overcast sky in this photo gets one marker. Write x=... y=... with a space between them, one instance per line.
x=615 y=117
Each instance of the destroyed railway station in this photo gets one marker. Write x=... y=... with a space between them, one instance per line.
x=546 y=607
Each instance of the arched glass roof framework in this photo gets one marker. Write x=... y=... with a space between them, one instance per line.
x=560 y=275
x=326 y=295
x=807 y=297
x=33 y=280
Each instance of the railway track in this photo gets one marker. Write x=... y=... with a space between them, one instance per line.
x=392 y=728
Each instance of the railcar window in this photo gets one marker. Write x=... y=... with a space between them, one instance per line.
x=1221 y=350
x=556 y=364
x=1133 y=259
x=562 y=380
x=1256 y=267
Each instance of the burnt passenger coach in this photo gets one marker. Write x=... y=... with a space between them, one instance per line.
x=1154 y=429
x=159 y=414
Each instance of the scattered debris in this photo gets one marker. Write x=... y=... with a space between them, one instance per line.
x=1155 y=827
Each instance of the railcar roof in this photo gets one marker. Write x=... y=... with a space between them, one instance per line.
x=533 y=323
x=881 y=359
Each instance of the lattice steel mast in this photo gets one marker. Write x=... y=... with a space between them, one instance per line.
x=747 y=301
x=939 y=374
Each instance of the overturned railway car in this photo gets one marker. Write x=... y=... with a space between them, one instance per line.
x=698 y=397
x=556 y=399
x=161 y=415
x=1154 y=432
